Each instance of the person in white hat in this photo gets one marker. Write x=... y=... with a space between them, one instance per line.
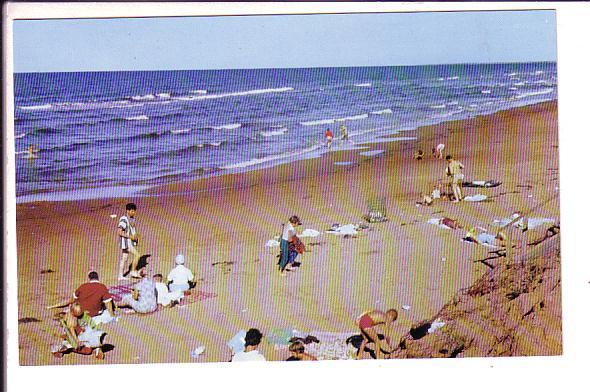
x=180 y=277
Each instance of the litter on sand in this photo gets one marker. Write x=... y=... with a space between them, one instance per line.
x=406 y=307
x=475 y=198
x=197 y=351
x=436 y=324
x=309 y=233
x=113 y=216
x=272 y=243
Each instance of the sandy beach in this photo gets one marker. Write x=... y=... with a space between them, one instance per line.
x=221 y=225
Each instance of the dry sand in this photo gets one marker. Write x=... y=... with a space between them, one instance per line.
x=230 y=218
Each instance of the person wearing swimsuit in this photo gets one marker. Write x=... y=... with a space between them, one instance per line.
x=367 y=323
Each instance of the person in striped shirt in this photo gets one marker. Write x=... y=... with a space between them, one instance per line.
x=128 y=241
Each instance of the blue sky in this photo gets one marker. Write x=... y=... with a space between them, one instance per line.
x=283 y=41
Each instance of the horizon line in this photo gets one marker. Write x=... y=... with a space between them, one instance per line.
x=310 y=67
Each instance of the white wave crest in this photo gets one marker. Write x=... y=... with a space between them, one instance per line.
x=539 y=72
x=278 y=132
x=318 y=122
x=146 y=97
x=227 y=126
x=438 y=106
x=236 y=94
x=533 y=93
x=198 y=91
x=163 y=95
x=354 y=118
x=215 y=144
x=512 y=88
x=37 y=107
x=486 y=91
x=384 y=111
x=258 y=161
x=511 y=74
x=453 y=78
x=20 y=135
x=519 y=84
x=363 y=85
x=137 y=118
x=180 y=131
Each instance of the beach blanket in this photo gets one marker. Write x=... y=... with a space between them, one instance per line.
x=120 y=290
x=481 y=184
x=532 y=222
x=475 y=198
x=332 y=346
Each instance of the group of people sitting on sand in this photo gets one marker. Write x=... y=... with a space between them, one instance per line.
x=93 y=305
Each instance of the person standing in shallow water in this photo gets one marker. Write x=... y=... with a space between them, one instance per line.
x=128 y=241
x=329 y=137
x=343 y=133
x=287 y=236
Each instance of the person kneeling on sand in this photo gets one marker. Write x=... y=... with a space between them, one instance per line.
x=250 y=353
x=180 y=277
x=418 y=155
x=143 y=297
x=297 y=350
x=81 y=336
x=368 y=322
x=166 y=298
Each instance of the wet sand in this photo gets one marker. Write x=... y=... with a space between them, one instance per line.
x=227 y=220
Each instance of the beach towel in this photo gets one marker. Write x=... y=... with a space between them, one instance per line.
x=349 y=229
x=272 y=243
x=280 y=336
x=332 y=346
x=481 y=184
x=475 y=198
x=309 y=233
x=437 y=222
x=532 y=222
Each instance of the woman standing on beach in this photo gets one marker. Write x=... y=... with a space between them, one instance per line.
x=367 y=323
x=287 y=237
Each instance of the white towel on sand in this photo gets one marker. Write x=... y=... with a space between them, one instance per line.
x=475 y=198
x=272 y=243
x=436 y=222
x=349 y=229
x=309 y=233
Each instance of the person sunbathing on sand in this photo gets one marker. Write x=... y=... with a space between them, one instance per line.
x=367 y=323
x=425 y=200
x=485 y=238
x=297 y=350
x=451 y=223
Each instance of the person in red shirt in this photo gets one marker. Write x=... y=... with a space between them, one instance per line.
x=94 y=298
x=329 y=137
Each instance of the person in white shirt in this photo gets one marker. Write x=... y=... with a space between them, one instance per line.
x=288 y=234
x=250 y=353
x=180 y=277
x=165 y=297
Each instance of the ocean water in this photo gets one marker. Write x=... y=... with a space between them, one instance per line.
x=117 y=133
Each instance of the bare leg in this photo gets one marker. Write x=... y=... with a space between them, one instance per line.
x=359 y=354
x=124 y=258
x=375 y=338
